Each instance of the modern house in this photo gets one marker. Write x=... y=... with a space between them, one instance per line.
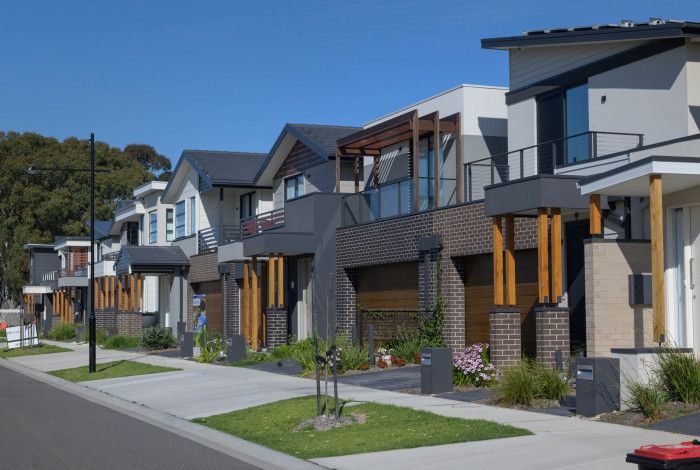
x=72 y=278
x=595 y=198
x=292 y=246
x=212 y=191
x=38 y=294
x=410 y=217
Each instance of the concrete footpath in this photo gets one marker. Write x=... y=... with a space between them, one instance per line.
x=203 y=390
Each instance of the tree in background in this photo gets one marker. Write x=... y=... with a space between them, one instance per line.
x=152 y=161
x=37 y=208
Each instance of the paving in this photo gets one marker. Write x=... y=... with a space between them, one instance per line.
x=203 y=390
x=689 y=424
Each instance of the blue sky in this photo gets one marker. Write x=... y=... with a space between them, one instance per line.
x=227 y=75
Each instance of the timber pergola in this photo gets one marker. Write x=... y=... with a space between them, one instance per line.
x=651 y=177
x=263 y=288
x=408 y=126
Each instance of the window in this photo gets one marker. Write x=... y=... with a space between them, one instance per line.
x=247 y=205
x=294 y=187
x=169 y=228
x=193 y=215
x=576 y=100
x=180 y=219
x=153 y=228
x=142 y=231
x=132 y=233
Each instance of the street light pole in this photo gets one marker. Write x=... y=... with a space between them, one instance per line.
x=92 y=323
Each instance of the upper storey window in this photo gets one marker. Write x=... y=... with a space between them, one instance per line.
x=294 y=187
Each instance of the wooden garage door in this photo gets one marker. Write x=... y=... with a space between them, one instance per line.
x=478 y=297
x=212 y=290
x=389 y=286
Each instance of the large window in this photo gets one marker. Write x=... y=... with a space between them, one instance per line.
x=193 y=215
x=294 y=187
x=153 y=228
x=247 y=205
x=169 y=226
x=180 y=219
x=577 y=123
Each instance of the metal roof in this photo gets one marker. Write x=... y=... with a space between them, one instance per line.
x=225 y=168
x=655 y=28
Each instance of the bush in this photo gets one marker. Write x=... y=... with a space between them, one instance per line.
x=62 y=332
x=100 y=336
x=473 y=366
x=350 y=357
x=648 y=399
x=157 y=337
x=529 y=380
x=679 y=374
x=122 y=342
x=206 y=356
x=405 y=346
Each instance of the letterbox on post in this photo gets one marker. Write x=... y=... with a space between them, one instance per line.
x=235 y=348
x=436 y=371
x=597 y=385
x=186 y=344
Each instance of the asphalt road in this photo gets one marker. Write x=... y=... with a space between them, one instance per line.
x=42 y=427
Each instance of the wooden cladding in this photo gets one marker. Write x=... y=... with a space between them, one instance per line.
x=542 y=256
x=388 y=287
x=657 y=257
x=263 y=288
x=556 y=228
x=595 y=215
x=299 y=159
x=510 y=260
x=497 y=261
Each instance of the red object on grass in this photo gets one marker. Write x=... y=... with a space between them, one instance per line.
x=3 y=325
x=667 y=456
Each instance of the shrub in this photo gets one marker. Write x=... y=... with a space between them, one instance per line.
x=405 y=346
x=157 y=337
x=63 y=331
x=550 y=383
x=648 y=399
x=473 y=366
x=303 y=353
x=206 y=356
x=517 y=385
x=122 y=342
x=416 y=358
x=350 y=357
x=283 y=351
x=430 y=330
x=381 y=363
x=100 y=336
x=679 y=374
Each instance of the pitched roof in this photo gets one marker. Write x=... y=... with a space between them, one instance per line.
x=221 y=168
x=102 y=228
x=150 y=259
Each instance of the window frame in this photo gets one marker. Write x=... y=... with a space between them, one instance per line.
x=169 y=226
x=193 y=215
x=177 y=226
x=251 y=198
x=299 y=177
x=153 y=227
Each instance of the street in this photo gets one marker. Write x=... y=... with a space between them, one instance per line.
x=47 y=428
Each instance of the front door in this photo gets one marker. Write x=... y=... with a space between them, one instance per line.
x=304 y=298
x=689 y=328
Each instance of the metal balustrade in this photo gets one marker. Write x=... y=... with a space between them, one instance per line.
x=252 y=226
x=210 y=239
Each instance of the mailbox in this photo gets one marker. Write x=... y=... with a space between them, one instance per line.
x=235 y=348
x=597 y=385
x=436 y=370
x=186 y=344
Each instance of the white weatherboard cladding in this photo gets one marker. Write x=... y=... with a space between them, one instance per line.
x=532 y=64
x=693 y=70
x=648 y=96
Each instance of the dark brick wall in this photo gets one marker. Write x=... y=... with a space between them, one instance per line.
x=231 y=305
x=276 y=323
x=204 y=268
x=129 y=324
x=465 y=231
x=552 y=333
x=106 y=320
x=505 y=336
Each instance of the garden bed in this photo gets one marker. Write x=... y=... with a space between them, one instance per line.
x=670 y=410
x=375 y=428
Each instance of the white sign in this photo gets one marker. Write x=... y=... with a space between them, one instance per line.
x=16 y=338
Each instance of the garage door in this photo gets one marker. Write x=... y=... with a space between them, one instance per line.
x=478 y=297
x=212 y=290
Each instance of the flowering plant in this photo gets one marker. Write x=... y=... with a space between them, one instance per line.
x=473 y=367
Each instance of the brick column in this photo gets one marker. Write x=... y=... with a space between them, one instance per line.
x=231 y=305
x=345 y=299
x=276 y=327
x=504 y=329
x=552 y=325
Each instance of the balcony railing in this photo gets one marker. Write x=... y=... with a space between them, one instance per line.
x=49 y=276
x=109 y=256
x=209 y=239
x=259 y=223
x=544 y=158
x=395 y=199
x=73 y=271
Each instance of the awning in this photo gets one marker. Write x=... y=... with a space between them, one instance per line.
x=37 y=290
x=151 y=260
x=678 y=173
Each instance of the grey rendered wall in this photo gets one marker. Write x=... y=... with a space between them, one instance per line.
x=43 y=261
x=693 y=69
x=533 y=64
x=649 y=96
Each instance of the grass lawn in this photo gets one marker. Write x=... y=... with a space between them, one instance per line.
x=43 y=349
x=387 y=427
x=110 y=370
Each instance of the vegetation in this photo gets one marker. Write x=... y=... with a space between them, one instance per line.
x=157 y=337
x=121 y=342
x=100 y=336
x=31 y=351
x=110 y=370
x=254 y=358
x=528 y=380
x=473 y=366
x=647 y=399
x=387 y=427
x=62 y=332
x=679 y=375
x=38 y=207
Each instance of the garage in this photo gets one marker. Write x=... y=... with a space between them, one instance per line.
x=478 y=297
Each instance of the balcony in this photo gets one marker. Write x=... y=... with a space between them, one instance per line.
x=547 y=158
x=109 y=256
x=395 y=199
x=257 y=224
x=73 y=271
x=210 y=239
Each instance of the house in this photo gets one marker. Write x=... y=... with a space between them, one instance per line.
x=72 y=278
x=410 y=230
x=598 y=187
x=38 y=294
x=289 y=250
x=211 y=192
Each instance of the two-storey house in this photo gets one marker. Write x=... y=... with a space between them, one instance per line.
x=38 y=294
